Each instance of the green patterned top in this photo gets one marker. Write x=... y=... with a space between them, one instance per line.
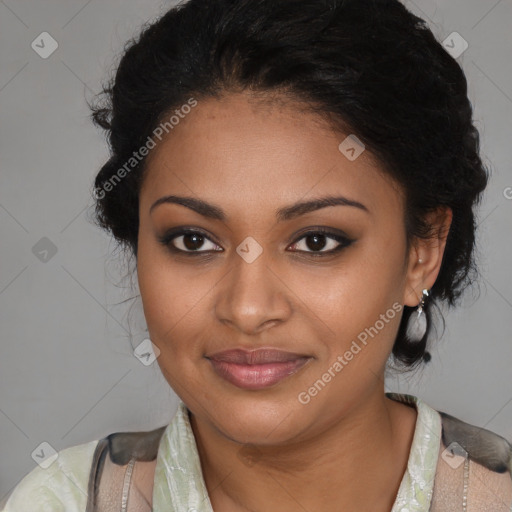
x=179 y=484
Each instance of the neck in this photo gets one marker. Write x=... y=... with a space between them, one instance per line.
x=357 y=463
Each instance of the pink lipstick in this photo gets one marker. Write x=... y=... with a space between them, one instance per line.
x=256 y=369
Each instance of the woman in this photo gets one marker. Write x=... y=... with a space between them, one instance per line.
x=296 y=180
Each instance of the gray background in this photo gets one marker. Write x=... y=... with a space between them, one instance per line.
x=67 y=371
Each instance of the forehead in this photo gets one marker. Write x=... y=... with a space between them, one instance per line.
x=261 y=150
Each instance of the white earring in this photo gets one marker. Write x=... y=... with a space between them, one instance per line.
x=418 y=325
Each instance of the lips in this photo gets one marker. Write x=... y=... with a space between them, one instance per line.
x=256 y=369
x=259 y=356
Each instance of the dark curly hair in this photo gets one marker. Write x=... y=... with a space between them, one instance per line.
x=370 y=67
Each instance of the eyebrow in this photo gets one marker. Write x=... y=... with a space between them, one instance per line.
x=212 y=211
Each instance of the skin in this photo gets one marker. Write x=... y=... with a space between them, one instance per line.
x=262 y=450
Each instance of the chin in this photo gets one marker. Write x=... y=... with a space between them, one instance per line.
x=259 y=422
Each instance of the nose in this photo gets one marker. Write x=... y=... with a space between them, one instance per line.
x=252 y=297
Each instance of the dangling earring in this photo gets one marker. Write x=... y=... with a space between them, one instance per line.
x=418 y=325
x=421 y=305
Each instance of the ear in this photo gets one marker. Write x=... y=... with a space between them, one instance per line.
x=430 y=252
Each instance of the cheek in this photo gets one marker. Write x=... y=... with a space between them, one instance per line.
x=172 y=308
x=360 y=299
x=172 y=296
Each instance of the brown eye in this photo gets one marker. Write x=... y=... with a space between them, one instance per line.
x=316 y=242
x=192 y=241
x=189 y=241
x=320 y=243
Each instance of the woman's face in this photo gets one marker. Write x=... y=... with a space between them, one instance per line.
x=260 y=275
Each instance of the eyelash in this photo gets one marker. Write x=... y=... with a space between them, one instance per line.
x=168 y=237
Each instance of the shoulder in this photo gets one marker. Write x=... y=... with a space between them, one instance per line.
x=483 y=446
x=61 y=487
x=64 y=485
x=474 y=466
